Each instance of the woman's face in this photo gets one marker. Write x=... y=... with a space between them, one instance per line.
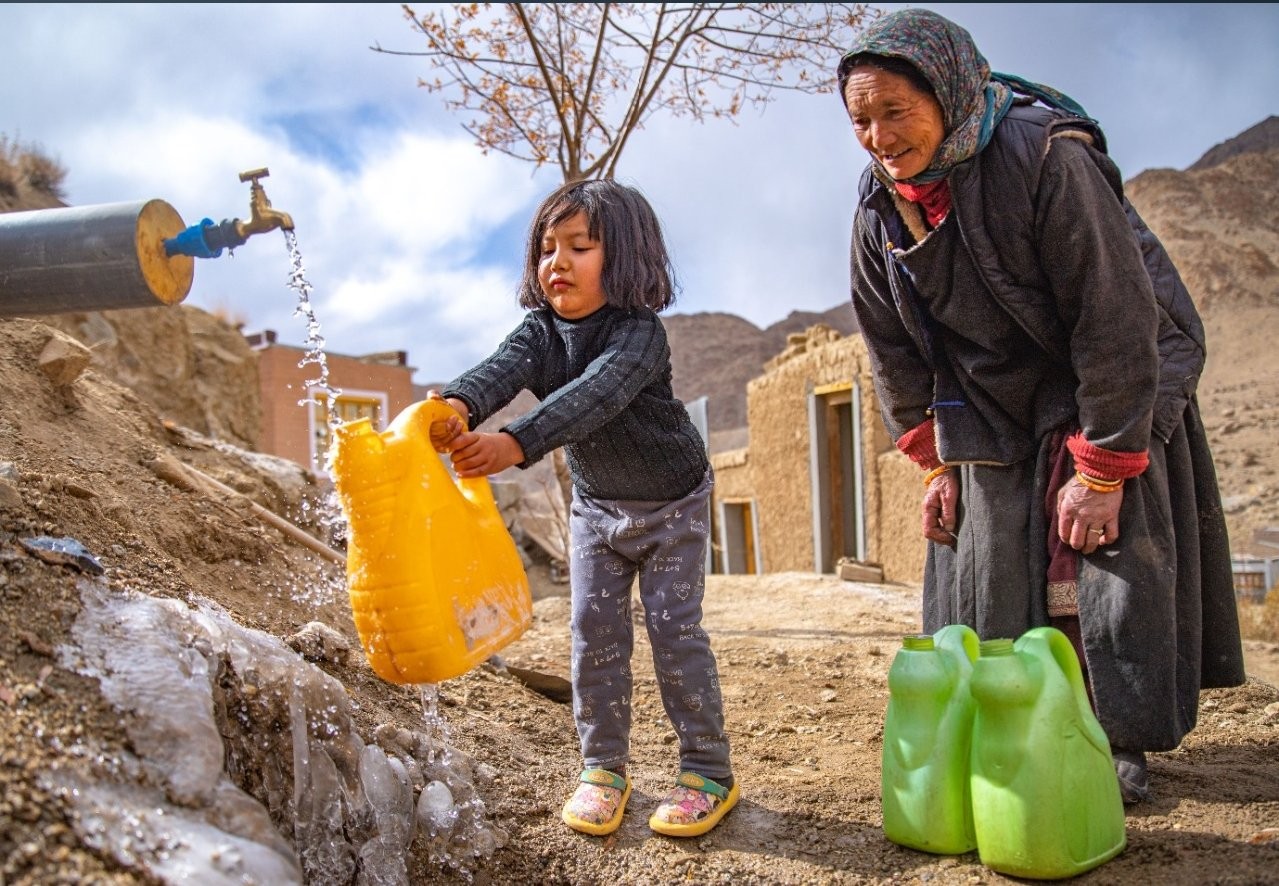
x=899 y=124
x=571 y=268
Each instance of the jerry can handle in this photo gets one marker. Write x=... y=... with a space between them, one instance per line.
x=425 y=413
x=1058 y=648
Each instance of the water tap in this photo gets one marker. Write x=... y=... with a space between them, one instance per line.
x=261 y=216
x=207 y=240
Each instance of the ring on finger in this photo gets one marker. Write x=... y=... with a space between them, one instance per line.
x=1098 y=531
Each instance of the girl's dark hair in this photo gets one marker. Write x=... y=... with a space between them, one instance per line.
x=890 y=63
x=637 y=269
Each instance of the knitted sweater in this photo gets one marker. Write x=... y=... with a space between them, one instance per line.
x=604 y=383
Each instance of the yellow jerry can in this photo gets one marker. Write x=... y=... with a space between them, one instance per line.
x=436 y=583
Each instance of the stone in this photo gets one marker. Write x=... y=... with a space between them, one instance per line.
x=852 y=570
x=10 y=497
x=316 y=641
x=63 y=359
x=63 y=552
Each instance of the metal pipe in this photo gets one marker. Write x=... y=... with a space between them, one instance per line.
x=91 y=258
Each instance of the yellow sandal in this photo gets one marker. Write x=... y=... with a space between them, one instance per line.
x=693 y=807
x=597 y=805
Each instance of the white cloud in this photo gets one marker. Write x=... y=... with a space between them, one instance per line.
x=433 y=192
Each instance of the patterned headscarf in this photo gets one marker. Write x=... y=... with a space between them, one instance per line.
x=973 y=99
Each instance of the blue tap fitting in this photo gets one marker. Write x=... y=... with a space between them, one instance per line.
x=205 y=240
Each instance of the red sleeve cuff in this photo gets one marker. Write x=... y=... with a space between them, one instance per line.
x=919 y=445
x=1105 y=464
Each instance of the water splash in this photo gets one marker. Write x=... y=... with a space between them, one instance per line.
x=434 y=723
x=451 y=816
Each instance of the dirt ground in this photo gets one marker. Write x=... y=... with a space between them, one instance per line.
x=803 y=662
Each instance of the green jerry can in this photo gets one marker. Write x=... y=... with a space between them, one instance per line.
x=1046 y=802
x=927 y=737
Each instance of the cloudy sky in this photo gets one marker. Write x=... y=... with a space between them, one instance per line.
x=411 y=237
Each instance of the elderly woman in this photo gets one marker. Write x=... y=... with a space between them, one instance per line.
x=1036 y=354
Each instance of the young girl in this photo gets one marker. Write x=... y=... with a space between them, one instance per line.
x=594 y=352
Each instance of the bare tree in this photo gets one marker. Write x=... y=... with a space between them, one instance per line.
x=570 y=83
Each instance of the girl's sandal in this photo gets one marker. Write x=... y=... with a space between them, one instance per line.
x=597 y=805
x=693 y=807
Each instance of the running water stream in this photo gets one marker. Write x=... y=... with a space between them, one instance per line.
x=314 y=340
x=328 y=512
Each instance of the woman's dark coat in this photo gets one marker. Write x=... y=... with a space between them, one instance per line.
x=1041 y=303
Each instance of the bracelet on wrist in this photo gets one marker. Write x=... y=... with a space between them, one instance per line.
x=1097 y=485
x=934 y=474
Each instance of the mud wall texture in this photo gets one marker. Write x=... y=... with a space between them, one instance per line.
x=732 y=475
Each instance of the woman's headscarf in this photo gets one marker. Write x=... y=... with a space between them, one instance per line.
x=973 y=99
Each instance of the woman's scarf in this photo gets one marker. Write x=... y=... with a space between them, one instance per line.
x=973 y=99
x=934 y=197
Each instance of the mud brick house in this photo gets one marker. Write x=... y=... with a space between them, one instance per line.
x=820 y=486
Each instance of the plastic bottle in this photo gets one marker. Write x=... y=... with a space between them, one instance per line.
x=927 y=735
x=1046 y=802
x=435 y=581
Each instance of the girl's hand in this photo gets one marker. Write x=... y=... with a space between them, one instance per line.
x=940 y=502
x=445 y=433
x=478 y=455
x=1087 y=519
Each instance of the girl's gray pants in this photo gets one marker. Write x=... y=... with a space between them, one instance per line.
x=664 y=543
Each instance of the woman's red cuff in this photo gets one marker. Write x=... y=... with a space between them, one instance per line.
x=1105 y=464
x=919 y=445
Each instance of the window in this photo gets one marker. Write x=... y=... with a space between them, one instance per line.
x=350 y=406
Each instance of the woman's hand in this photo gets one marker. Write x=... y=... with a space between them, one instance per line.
x=1087 y=519
x=478 y=455
x=444 y=433
x=940 y=501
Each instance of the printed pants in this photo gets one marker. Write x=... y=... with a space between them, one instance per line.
x=664 y=543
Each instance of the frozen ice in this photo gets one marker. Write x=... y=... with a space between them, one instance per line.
x=435 y=810
x=390 y=799
x=145 y=664
x=139 y=829
x=229 y=797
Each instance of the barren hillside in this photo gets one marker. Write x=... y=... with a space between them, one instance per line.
x=1221 y=228
x=714 y=355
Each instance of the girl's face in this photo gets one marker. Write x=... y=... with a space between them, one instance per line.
x=570 y=268
x=897 y=123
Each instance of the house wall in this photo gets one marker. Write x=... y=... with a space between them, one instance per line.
x=285 y=425
x=777 y=462
x=732 y=475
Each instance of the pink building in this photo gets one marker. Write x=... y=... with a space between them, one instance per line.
x=294 y=410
